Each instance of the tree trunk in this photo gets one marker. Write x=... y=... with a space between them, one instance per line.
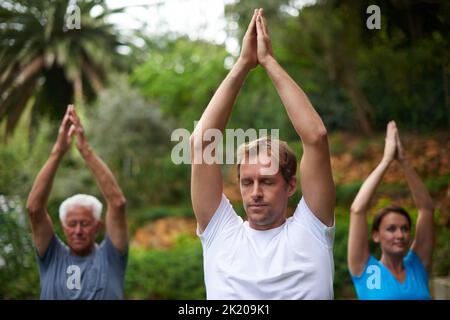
x=446 y=94
x=364 y=110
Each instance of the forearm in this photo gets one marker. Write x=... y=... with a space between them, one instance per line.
x=422 y=198
x=104 y=178
x=302 y=114
x=40 y=192
x=218 y=111
x=362 y=200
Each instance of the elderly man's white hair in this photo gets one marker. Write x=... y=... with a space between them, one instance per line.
x=83 y=200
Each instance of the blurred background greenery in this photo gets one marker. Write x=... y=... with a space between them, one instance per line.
x=131 y=100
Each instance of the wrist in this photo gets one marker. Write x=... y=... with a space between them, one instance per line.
x=269 y=62
x=243 y=65
x=386 y=161
x=57 y=152
x=85 y=150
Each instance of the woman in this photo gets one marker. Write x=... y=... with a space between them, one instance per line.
x=402 y=271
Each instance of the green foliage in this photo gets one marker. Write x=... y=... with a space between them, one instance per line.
x=14 y=176
x=359 y=150
x=352 y=74
x=345 y=193
x=131 y=136
x=441 y=254
x=182 y=75
x=173 y=274
x=343 y=286
x=337 y=144
x=259 y=97
x=19 y=278
x=20 y=160
x=435 y=184
x=42 y=58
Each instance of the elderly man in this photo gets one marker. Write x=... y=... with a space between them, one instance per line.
x=82 y=269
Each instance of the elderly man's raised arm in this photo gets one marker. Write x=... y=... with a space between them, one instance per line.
x=41 y=223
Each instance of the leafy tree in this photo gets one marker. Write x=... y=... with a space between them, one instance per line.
x=181 y=75
x=132 y=137
x=359 y=78
x=41 y=57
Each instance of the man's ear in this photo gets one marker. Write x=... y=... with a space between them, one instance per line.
x=64 y=228
x=99 y=226
x=292 y=186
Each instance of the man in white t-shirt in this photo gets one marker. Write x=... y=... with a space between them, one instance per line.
x=268 y=256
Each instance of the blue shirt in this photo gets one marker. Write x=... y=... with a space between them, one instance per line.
x=377 y=282
x=99 y=275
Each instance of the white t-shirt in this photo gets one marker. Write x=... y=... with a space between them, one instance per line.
x=292 y=261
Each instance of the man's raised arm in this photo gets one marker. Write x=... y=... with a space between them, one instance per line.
x=206 y=179
x=315 y=169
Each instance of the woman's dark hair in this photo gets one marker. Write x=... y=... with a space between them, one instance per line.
x=383 y=212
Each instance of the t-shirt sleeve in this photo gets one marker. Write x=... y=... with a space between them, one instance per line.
x=306 y=218
x=223 y=221
x=370 y=262
x=413 y=261
x=362 y=286
x=114 y=256
x=50 y=254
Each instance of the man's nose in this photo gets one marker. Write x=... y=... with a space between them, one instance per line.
x=257 y=191
x=78 y=228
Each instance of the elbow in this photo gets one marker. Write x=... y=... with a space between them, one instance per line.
x=357 y=210
x=318 y=137
x=192 y=141
x=428 y=206
x=195 y=140
x=31 y=206
x=33 y=210
x=120 y=203
x=192 y=146
x=196 y=146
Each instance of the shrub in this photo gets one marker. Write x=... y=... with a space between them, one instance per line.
x=19 y=277
x=172 y=274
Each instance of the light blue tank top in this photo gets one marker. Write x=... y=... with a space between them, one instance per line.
x=377 y=282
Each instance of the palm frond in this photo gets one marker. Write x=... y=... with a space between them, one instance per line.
x=39 y=56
